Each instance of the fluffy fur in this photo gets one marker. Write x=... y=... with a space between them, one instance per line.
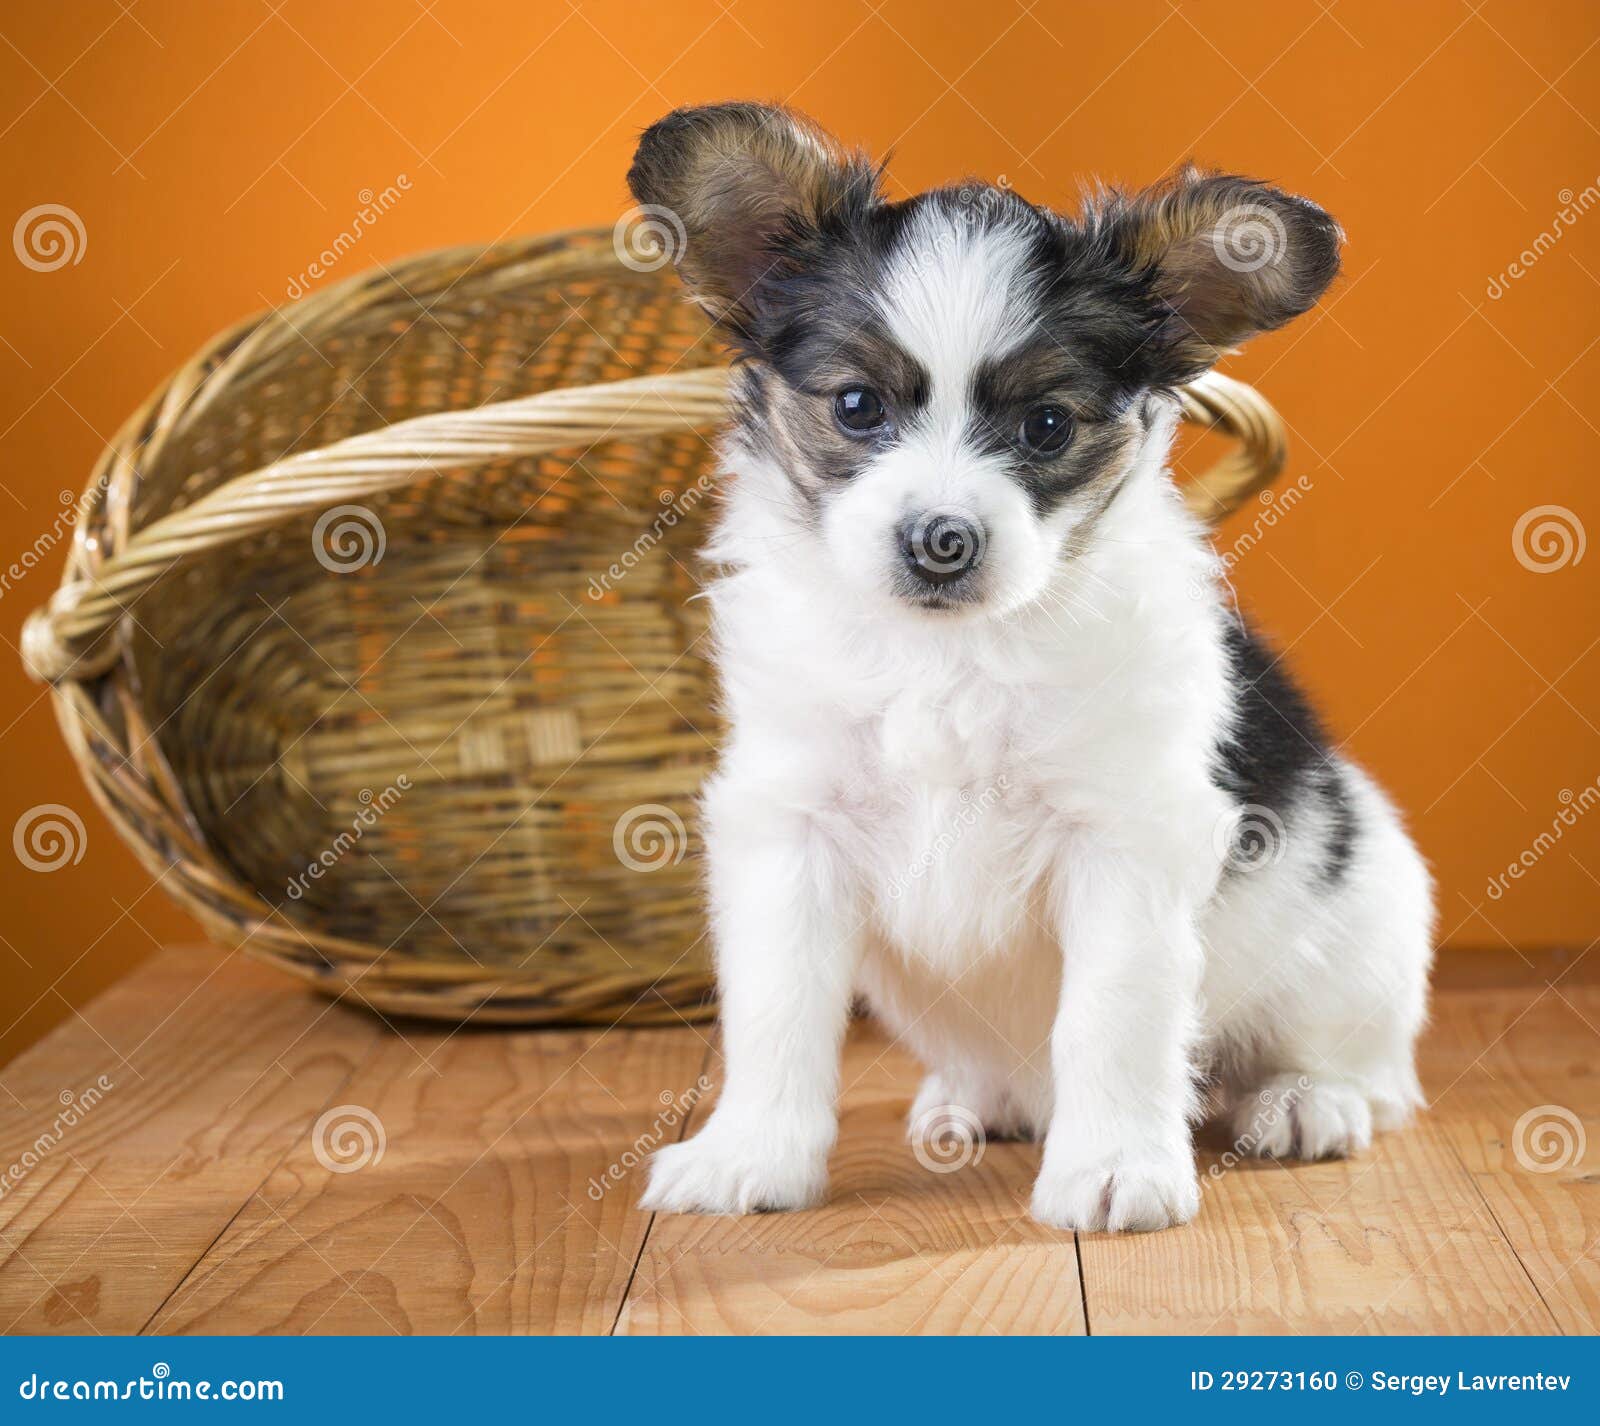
x=1057 y=814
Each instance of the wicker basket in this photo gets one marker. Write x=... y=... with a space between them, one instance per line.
x=375 y=639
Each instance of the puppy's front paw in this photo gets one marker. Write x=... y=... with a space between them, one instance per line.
x=1121 y=1195
x=718 y=1172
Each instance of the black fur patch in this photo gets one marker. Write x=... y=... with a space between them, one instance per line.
x=1342 y=815
x=1277 y=755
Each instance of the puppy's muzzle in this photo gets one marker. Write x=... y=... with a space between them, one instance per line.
x=941 y=546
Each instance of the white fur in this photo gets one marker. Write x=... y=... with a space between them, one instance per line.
x=1002 y=828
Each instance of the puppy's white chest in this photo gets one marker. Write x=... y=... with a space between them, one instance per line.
x=955 y=870
x=953 y=836
x=951 y=741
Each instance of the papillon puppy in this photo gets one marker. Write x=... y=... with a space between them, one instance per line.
x=1003 y=759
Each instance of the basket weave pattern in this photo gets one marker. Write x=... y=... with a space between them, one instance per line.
x=375 y=639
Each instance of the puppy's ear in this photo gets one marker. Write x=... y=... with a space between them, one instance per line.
x=747 y=183
x=1226 y=257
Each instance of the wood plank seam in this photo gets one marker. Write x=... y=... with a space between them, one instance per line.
x=1083 y=1283
x=150 y=1100
x=1324 y=1210
x=1472 y=1177
x=245 y=1202
x=892 y=1042
x=1527 y=1272
x=1499 y=1227
x=255 y=1195
x=1563 y=1275
x=289 y=1148
x=560 y=1070
x=1528 y=1085
x=644 y=1238
x=333 y=1095
x=1283 y=1251
x=905 y=1255
x=427 y=1212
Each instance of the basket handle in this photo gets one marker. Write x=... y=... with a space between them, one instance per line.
x=69 y=639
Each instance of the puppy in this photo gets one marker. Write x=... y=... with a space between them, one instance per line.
x=1003 y=759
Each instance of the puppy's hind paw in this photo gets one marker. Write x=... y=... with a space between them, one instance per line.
x=1296 y=1117
x=714 y=1173
x=945 y=1108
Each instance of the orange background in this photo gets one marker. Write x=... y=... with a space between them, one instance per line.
x=213 y=150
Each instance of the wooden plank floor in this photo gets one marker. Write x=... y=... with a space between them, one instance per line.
x=208 y=1148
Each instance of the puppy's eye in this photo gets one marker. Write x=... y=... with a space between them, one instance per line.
x=859 y=410
x=1046 y=430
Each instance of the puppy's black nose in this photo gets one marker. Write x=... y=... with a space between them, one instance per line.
x=940 y=546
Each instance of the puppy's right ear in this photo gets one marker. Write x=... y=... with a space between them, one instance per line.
x=748 y=183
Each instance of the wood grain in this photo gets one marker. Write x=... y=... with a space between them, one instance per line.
x=199 y=1195
x=1398 y=1240
x=490 y=1208
x=215 y=1065
x=897 y=1249
x=1517 y=1093
x=1395 y=1240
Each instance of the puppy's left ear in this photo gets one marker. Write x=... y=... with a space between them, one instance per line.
x=1226 y=257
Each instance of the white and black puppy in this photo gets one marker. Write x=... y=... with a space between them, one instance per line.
x=1003 y=759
